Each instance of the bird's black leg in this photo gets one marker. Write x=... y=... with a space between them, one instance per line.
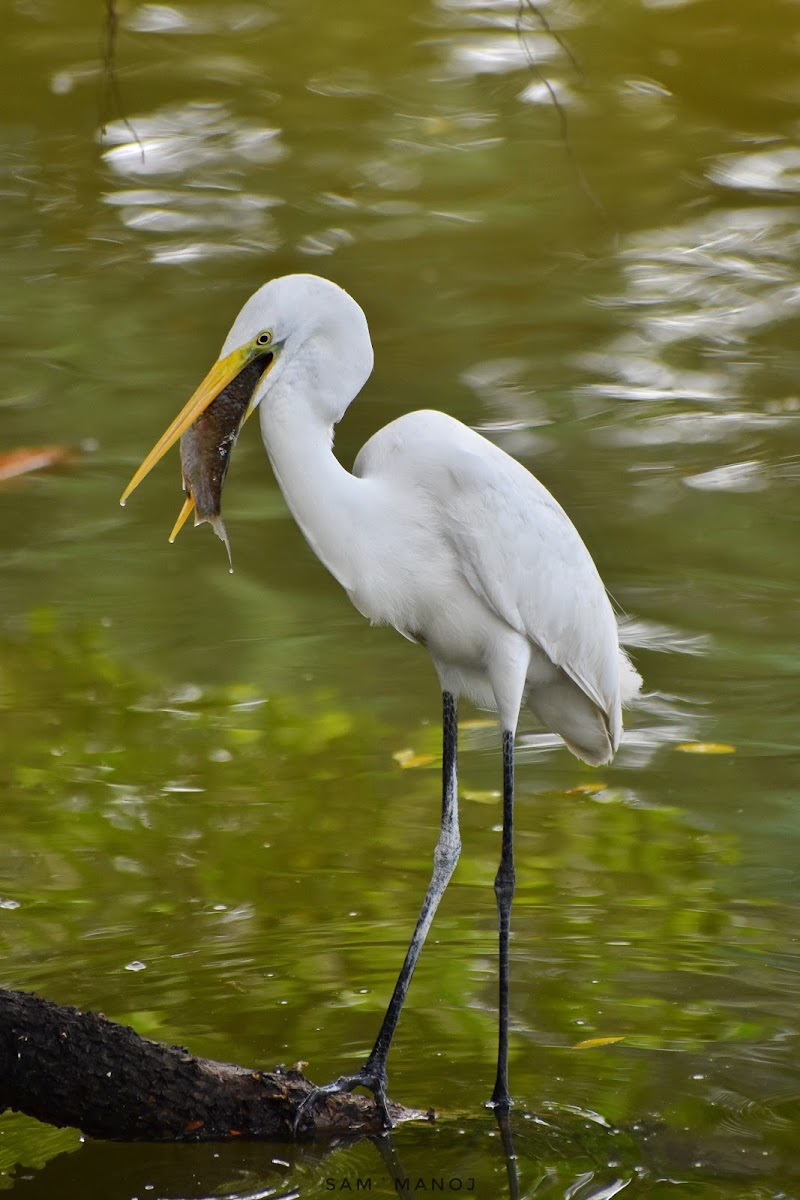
x=373 y=1074
x=504 y=1125
x=504 y=891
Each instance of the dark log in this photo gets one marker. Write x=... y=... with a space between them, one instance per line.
x=68 y=1067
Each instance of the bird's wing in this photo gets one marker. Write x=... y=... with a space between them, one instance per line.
x=522 y=555
x=514 y=544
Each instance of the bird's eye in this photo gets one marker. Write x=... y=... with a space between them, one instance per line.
x=264 y=338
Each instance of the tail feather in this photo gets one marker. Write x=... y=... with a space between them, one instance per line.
x=630 y=681
x=590 y=734
x=562 y=707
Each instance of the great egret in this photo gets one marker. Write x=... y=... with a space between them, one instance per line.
x=440 y=534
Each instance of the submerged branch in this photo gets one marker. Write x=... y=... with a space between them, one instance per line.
x=68 y=1067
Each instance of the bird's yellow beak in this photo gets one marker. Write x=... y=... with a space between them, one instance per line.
x=221 y=374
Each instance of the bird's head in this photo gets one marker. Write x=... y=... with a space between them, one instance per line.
x=299 y=335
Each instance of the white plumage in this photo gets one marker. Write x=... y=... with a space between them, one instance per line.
x=437 y=531
x=442 y=535
x=497 y=583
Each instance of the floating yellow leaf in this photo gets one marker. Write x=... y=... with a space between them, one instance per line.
x=706 y=748
x=586 y=789
x=482 y=797
x=408 y=758
x=590 y=1043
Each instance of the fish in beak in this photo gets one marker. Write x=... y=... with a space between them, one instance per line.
x=208 y=427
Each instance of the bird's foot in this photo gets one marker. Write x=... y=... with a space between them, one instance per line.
x=374 y=1081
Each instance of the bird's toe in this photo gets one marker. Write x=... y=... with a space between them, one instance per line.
x=373 y=1082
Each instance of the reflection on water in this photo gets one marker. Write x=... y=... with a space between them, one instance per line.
x=165 y=18
x=706 y=287
x=734 y=477
x=490 y=55
x=221 y=792
x=183 y=140
x=775 y=170
x=210 y=151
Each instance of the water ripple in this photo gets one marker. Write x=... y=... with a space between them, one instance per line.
x=187 y=137
x=690 y=428
x=208 y=151
x=694 y=296
x=733 y=477
x=500 y=54
x=170 y=18
x=773 y=170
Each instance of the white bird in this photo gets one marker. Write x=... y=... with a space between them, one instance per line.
x=442 y=535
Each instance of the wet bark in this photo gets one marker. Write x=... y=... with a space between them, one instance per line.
x=68 y=1067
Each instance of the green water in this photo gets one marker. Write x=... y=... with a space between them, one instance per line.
x=204 y=831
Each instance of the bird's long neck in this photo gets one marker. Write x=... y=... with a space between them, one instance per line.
x=323 y=497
